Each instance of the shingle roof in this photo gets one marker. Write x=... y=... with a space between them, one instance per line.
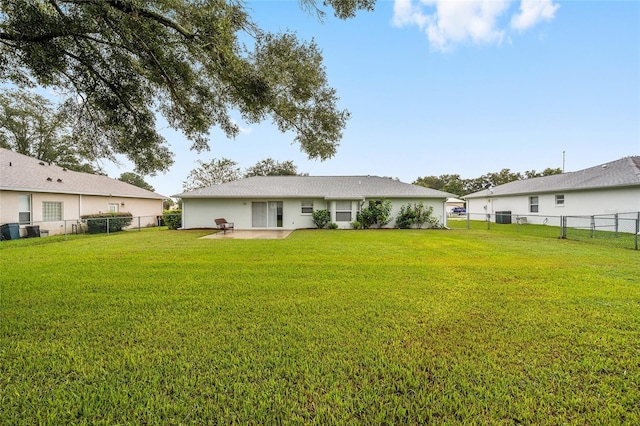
x=328 y=187
x=22 y=173
x=620 y=173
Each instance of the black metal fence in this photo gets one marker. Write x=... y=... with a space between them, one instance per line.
x=616 y=229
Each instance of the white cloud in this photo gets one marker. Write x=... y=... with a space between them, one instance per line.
x=533 y=12
x=450 y=22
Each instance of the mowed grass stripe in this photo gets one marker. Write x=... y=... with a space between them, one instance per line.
x=373 y=327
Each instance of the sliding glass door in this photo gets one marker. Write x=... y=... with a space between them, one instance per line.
x=266 y=214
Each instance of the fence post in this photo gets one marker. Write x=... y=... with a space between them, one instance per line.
x=488 y=221
x=139 y=223
x=107 y=226
x=563 y=227
x=637 y=229
x=593 y=227
x=468 y=220
x=616 y=224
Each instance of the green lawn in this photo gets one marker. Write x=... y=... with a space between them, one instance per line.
x=325 y=327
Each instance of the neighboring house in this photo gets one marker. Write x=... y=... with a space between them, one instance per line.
x=454 y=202
x=605 y=189
x=288 y=202
x=33 y=192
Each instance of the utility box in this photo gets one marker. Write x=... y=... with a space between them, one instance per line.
x=10 y=231
x=33 y=231
x=503 y=217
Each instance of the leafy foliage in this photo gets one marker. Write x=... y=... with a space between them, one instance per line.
x=136 y=180
x=30 y=125
x=415 y=215
x=172 y=218
x=113 y=222
x=454 y=184
x=271 y=167
x=321 y=218
x=212 y=173
x=378 y=214
x=120 y=62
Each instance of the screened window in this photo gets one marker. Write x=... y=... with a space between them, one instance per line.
x=51 y=211
x=343 y=211
x=559 y=200
x=24 y=209
x=113 y=208
x=533 y=204
x=306 y=207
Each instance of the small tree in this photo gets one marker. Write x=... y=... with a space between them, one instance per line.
x=415 y=215
x=378 y=213
x=321 y=218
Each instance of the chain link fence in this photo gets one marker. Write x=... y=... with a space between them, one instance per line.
x=615 y=230
x=105 y=225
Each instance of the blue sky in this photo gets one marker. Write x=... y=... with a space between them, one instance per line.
x=456 y=87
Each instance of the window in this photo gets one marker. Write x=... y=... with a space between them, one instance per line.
x=24 y=209
x=306 y=207
x=343 y=211
x=533 y=204
x=51 y=211
x=559 y=200
x=113 y=208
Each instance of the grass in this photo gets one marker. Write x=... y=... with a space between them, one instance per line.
x=325 y=327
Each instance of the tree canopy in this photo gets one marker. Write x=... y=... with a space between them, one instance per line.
x=30 y=125
x=271 y=167
x=459 y=186
x=136 y=180
x=121 y=61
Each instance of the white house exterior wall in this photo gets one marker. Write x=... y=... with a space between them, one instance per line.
x=576 y=203
x=201 y=212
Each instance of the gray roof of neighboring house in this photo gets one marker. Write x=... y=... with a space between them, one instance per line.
x=327 y=187
x=22 y=173
x=620 y=173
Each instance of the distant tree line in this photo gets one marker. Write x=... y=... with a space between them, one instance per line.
x=459 y=186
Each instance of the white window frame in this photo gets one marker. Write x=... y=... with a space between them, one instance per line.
x=560 y=200
x=24 y=209
x=342 y=211
x=306 y=207
x=52 y=211
x=534 y=204
x=113 y=208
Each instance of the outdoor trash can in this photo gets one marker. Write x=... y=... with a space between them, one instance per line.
x=33 y=231
x=503 y=217
x=10 y=231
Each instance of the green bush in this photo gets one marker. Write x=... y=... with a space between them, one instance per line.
x=416 y=215
x=378 y=213
x=172 y=218
x=97 y=223
x=321 y=218
x=333 y=225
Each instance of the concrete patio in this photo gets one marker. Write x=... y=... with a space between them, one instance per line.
x=250 y=235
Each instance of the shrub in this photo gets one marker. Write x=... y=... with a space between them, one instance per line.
x=97 y=223
x=416 y=215
x=172 y=218
x=378 y=213
x=355 y=224
x=321 y=218
x=333 y=225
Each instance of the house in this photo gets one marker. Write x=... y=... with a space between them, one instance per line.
x=608 y=188
x=288 y=202
x=36 y=193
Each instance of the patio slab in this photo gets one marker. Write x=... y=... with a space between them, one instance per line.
x=249 y=235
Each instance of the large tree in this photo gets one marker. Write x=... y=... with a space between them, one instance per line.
x=121 y=61
x=214 y=172
x=31 y=125
x=136 y=180
x=271 y=167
